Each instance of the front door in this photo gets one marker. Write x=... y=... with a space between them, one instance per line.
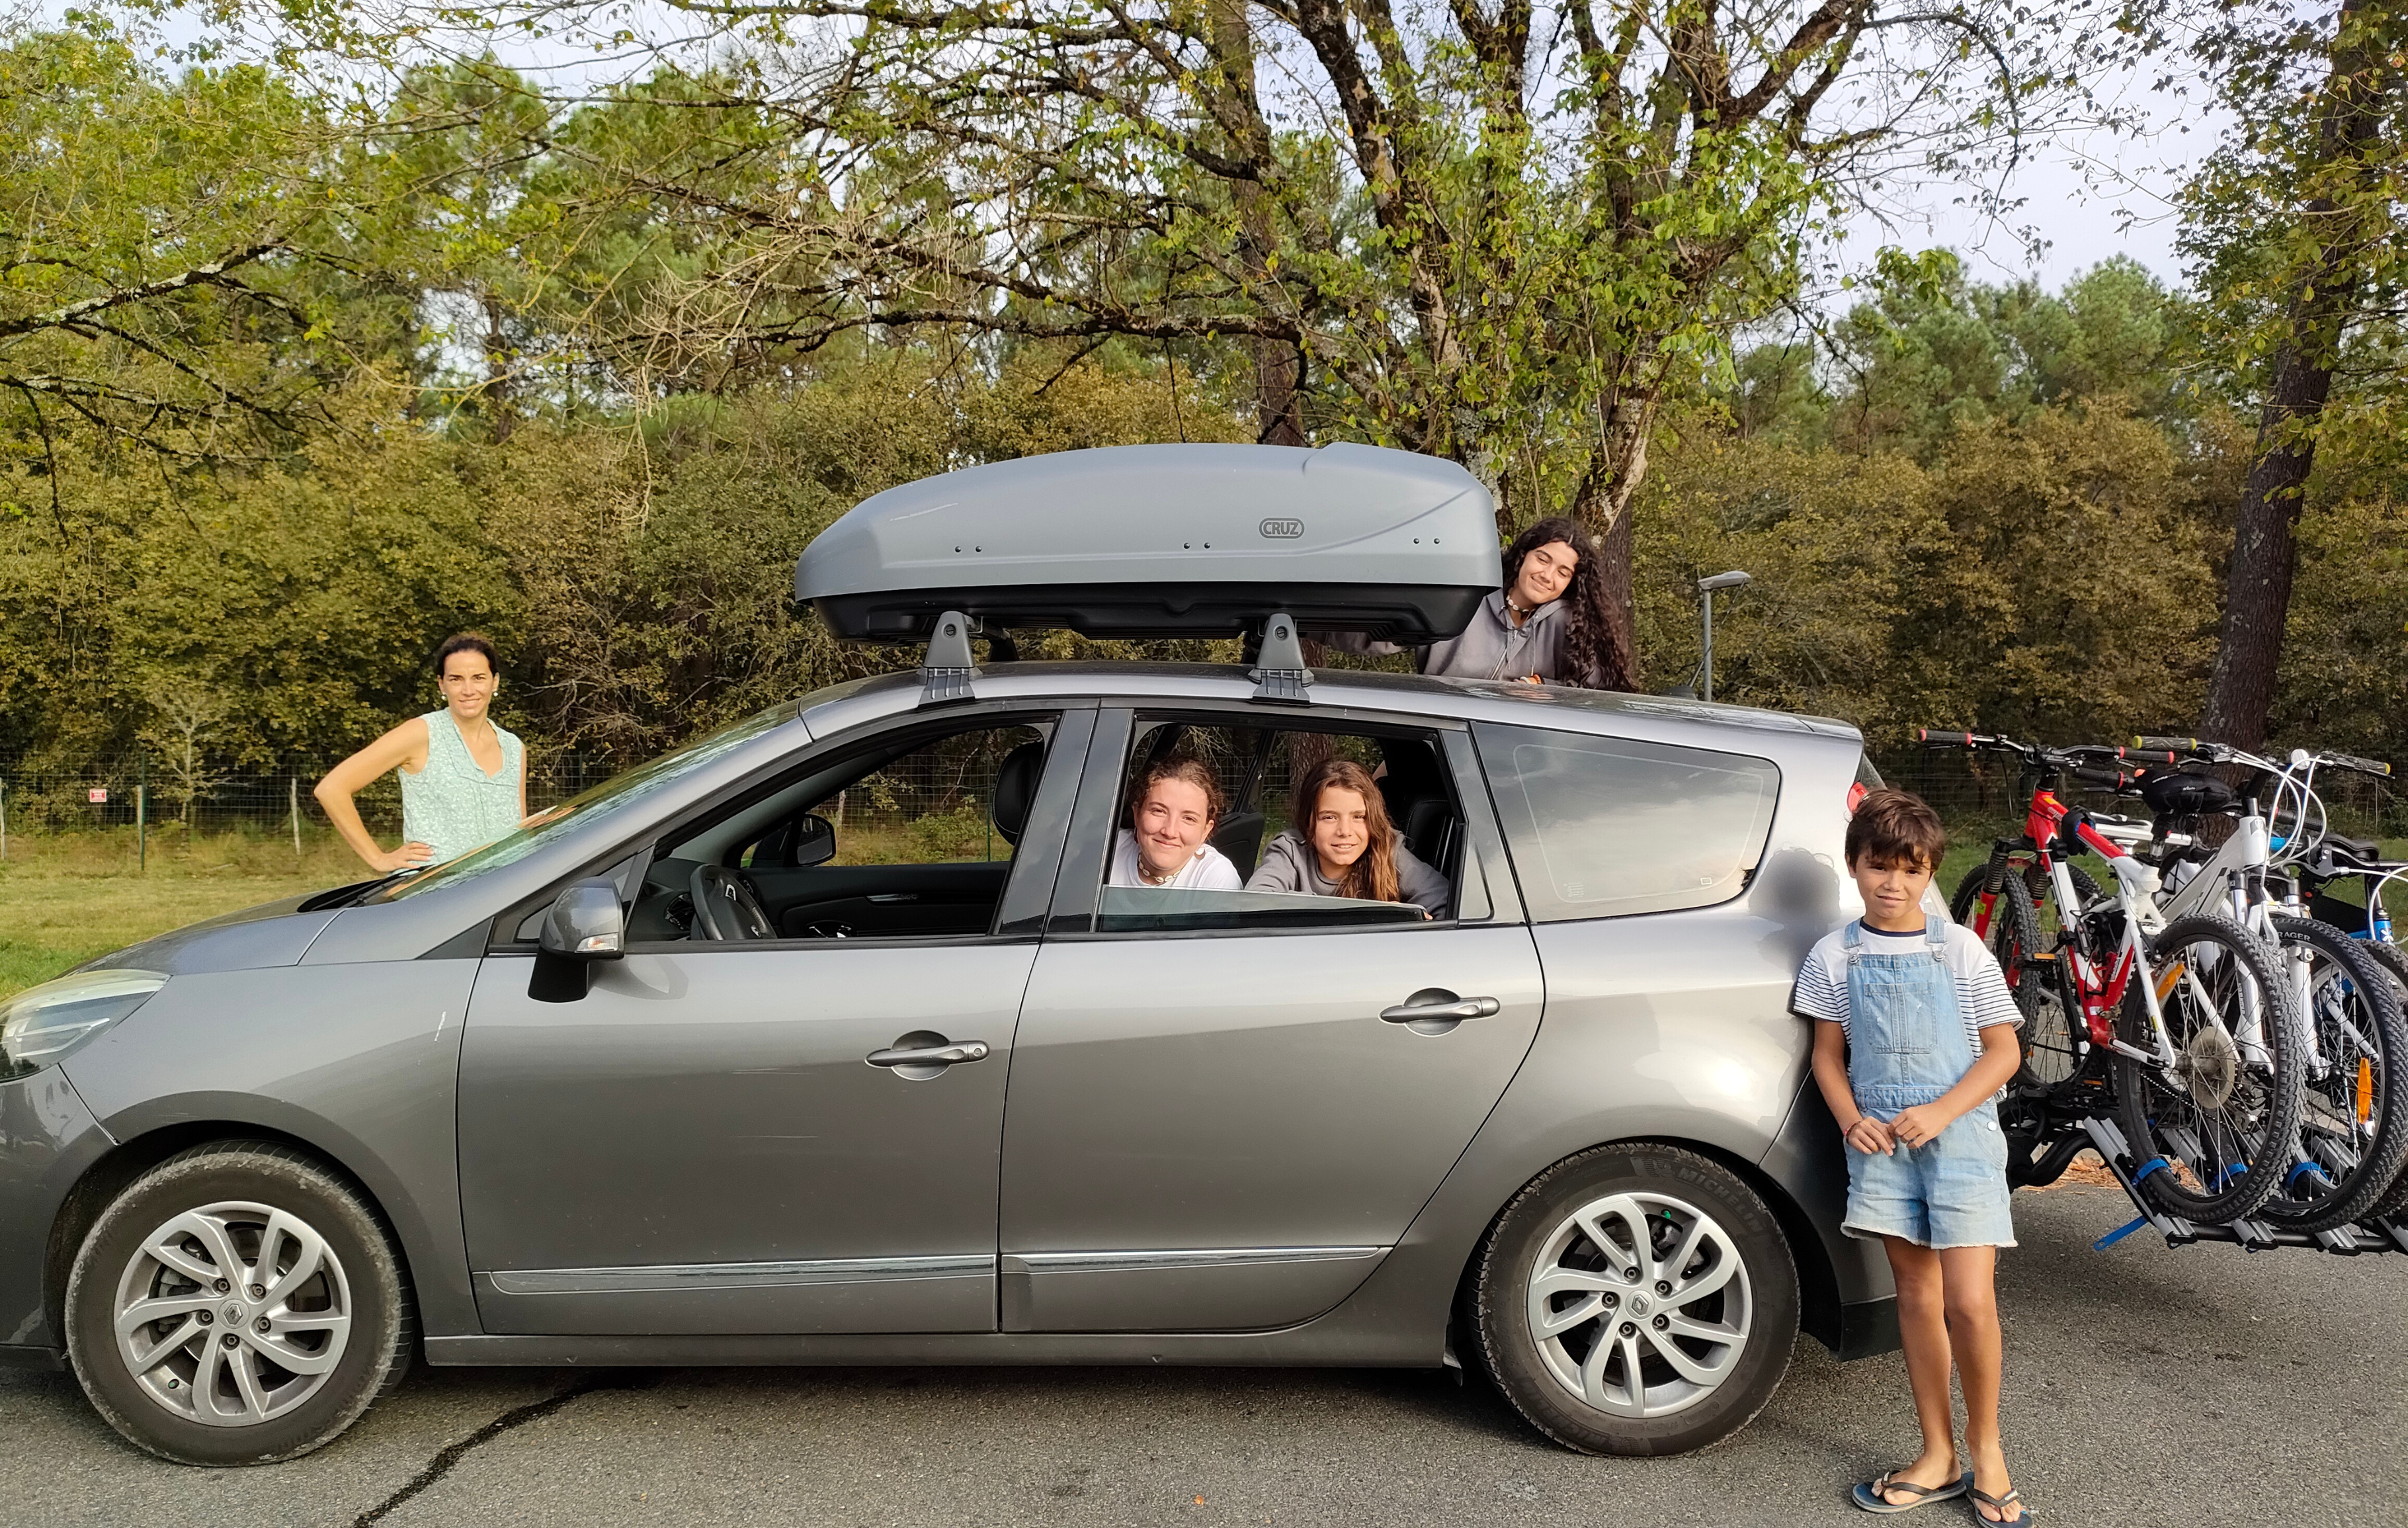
x=1215 y=1127
x=718 y=1136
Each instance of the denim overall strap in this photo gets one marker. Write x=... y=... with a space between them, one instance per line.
x=1906 y=1030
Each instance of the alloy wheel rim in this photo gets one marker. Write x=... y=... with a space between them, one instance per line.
x=1640 y=1305
x=232 y=1314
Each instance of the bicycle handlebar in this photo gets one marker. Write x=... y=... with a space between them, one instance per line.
x=2350 y=761
x=2169 y=745
x=2112 y=779
x=1932 y=738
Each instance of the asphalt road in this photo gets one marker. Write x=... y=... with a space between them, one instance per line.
x=2145 y=1386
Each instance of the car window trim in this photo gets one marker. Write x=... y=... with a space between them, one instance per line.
x=1078 y=885
x=1064 y=711
x=1764 y=835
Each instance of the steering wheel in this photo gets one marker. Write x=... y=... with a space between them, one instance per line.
x=726 y=906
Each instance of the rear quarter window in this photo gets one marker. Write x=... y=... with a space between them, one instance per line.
x=1610 y=827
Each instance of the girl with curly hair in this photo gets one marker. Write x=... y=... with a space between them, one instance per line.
x=1547 y=625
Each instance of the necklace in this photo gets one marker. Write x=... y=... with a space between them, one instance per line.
x=1145 y=873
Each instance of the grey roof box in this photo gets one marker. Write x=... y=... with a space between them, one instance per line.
x=1165 y=541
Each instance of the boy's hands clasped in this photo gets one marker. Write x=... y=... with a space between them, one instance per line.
x=1914 y=1127
x=1870 y=1136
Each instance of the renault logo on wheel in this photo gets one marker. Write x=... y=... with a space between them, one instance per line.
x=1283 y=530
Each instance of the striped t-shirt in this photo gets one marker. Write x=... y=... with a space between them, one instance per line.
x=1982 y=995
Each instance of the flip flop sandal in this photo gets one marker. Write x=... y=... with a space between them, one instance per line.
x=1873 y=1497
x=1996 y=1504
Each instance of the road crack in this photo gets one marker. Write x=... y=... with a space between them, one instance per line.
x=517 y=1416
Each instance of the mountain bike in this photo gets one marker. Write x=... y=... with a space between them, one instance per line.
x=2354 y=1129
x=2011 y=902
x=2183 y=1027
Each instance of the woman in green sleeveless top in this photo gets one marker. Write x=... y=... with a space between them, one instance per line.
x=463 y=779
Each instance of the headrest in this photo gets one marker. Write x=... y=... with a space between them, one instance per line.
x=1015 y=789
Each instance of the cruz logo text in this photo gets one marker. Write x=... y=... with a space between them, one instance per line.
x=1283 y=530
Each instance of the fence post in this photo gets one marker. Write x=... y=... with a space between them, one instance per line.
x=4 y=819
x=292 y=793
x=142 y=810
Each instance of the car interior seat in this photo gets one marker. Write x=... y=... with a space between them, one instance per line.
x=1419 y=803
x=1015 y=790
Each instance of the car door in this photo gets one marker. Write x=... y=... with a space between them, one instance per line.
x=1217 y=1129
x=715 y=1139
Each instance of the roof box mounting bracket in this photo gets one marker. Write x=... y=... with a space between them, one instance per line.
x=947 y=668
x=1279 y=673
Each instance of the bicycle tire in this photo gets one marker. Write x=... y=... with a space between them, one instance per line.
x=2394 y=961
x=2356 y=1019
x=2223 y=1127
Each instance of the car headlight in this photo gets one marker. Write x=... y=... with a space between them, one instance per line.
x=41 y=1024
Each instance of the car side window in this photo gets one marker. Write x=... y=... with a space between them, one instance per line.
x=1611 y=827
x=1260 y=867
x=909 y=839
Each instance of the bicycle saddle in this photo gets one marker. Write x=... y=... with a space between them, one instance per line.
x=2180 y=793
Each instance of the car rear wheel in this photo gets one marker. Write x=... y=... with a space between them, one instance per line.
x=1636 y=1300
x=237 y=1305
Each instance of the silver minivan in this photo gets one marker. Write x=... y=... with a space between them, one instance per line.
x=822 y=1040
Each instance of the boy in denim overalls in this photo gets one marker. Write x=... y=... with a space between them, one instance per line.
x=1913 y=1040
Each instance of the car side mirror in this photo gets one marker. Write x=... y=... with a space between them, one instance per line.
x=814 y=842
x=585 y=924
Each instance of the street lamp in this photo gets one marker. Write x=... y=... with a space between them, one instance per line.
x=1706 y=587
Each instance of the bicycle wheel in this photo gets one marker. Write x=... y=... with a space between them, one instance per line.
x=2354 y=1128
x=2224 y=1114
x=2394 y=961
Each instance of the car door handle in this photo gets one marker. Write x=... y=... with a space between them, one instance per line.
x=1442 y=1007
x=947 y=1054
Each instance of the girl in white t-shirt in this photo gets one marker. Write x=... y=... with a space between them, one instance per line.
x=1173 y=808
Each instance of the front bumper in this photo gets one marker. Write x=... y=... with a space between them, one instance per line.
x=48 y=1140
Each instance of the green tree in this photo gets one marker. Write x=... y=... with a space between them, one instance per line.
x=2298 y=232
x=155 y=230
x=1461 y=241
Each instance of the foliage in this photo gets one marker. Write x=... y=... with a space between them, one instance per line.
x=158 y=234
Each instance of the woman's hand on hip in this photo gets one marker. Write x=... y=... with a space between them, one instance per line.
x=409 y=856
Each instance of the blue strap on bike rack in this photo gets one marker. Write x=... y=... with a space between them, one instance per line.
x=2103 y=1243
x=2154 y=1164
x=2293 y=1177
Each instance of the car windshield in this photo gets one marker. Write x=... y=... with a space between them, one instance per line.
x=606 y=800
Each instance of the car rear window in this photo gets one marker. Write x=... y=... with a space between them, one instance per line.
x=1610 y=827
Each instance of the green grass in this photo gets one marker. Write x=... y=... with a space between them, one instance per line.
x=65 y=897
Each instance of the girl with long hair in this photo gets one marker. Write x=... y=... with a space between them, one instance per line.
x=1341 y=844
x=1548 y=624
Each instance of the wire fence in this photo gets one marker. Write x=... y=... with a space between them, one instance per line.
x=145 y=794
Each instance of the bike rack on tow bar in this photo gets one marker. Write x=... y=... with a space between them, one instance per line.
x=2385 y=1235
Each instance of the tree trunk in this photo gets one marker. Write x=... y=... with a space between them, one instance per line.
x=2257 y=584
x=1278 y=367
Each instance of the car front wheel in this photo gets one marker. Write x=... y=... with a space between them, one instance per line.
x=1636 y=1300
x=237 y=1305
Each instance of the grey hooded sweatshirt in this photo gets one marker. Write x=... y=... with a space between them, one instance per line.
x=1491 y=647
x=1290 y=865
